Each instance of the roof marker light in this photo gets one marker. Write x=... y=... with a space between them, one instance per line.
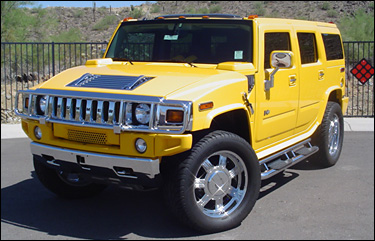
x=127 y=19
x=252 y=16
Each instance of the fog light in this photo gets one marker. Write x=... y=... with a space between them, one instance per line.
x=38 y=132
x=140 y=145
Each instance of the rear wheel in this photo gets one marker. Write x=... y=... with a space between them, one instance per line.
x=217 y=185
x=330 y=136
x=66 y=184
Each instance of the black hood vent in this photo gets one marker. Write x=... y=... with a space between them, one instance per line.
x=117 y=82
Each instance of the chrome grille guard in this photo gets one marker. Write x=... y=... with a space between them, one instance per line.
x=101 y=110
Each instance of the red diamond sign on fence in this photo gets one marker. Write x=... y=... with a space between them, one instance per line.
x=363 y=71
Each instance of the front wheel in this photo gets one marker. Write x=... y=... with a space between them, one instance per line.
x=217 y=185
x=330 y=136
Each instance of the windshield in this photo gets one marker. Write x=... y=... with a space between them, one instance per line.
x=198 y=41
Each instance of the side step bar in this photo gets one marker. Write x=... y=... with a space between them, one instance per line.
x=278 y=162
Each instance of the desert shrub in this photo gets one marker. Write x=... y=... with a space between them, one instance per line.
x=105 y=23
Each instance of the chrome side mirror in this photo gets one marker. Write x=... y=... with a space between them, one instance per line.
x=279 y=60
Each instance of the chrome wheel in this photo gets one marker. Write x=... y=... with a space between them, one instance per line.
x=334 y=135
x=220 y=184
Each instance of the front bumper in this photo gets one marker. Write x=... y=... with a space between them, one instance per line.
x=123 y=167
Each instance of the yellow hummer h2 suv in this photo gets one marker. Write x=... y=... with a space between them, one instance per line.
x=204 y=106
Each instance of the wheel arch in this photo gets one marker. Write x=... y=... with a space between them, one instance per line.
x=235 y=121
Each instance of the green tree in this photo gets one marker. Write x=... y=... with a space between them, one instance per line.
x=20 y=24
x=13 y=20
x=358 y=28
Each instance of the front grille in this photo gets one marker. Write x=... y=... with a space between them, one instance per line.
x=87 y=137
x=84 y=110
x=100 y=110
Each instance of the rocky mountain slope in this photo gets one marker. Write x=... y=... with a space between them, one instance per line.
x=98 y=24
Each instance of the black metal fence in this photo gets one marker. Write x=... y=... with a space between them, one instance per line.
x=24 y=65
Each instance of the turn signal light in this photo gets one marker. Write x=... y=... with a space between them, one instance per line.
x=175 y=116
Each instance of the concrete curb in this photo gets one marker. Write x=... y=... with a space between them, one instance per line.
x=10 y=131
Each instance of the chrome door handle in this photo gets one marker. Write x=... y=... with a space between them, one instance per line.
x=321 y=75
x=292 y=80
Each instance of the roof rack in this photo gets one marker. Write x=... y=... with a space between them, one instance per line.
x=218 y=15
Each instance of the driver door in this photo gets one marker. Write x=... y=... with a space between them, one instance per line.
x=276 y=115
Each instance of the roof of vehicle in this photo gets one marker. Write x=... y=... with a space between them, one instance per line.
x=215 y=15
x=237 y=17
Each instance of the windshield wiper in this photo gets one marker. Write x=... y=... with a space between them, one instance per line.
x=191 y=64
x=123 y=59
x=179 y=61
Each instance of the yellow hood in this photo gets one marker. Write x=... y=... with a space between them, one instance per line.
x=168 y=78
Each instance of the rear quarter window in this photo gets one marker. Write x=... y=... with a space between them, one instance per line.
x=333 y=46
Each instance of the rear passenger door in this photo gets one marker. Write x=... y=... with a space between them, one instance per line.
x=312 y=77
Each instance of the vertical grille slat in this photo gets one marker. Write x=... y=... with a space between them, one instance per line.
x=78 y=110
x=88 y=117
x=58 y=108
x=99 y=112
x=111 y=113
x=68 y=115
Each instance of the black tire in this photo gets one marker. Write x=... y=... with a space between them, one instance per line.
x=329 y=136
x=217 y=185
x=66 y=185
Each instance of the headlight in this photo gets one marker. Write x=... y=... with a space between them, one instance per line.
x=41 y=104
x=142 y=113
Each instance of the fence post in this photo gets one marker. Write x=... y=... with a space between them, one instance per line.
x=53 y=58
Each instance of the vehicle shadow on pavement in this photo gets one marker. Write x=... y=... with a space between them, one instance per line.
x=114 y=214
x=281 y=179
x=276 y=182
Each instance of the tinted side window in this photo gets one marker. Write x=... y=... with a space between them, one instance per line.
x=307 y=47
x=332 y=44
x=275 y=41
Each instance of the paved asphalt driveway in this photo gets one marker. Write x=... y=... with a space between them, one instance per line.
x=307 y=203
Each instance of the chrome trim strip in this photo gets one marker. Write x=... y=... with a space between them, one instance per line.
x=146 y=166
